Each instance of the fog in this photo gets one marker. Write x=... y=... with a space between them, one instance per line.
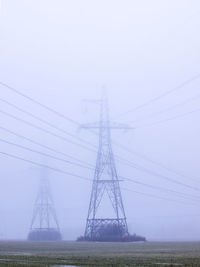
x=62 y=53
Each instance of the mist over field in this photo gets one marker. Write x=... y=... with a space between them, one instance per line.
x=62 y=54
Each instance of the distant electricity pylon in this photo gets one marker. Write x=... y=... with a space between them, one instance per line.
x=105 y=184
x=44 y=224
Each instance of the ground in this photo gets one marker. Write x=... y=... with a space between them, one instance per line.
x=21 y=253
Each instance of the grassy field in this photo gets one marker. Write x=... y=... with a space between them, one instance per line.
x=18 y=253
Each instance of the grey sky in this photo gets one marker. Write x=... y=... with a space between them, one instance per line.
x=61 y=52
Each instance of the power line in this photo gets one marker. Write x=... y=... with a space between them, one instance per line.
x=39 y=119
x=77 y=176
x=159 y=175
x=155 y=99
x=69 y=162
x=44 y=130
x=39 y=103
x=169 y=108
x=43 y=146
x=144 y=157
x=157 y=197
x=83 y=166
x=196 y=198
x=43 y=121
x=44 y=154
x=77 y=123
x=169 y=119
x=32 y=115
x=59 y=114
x=44 y=166
x=63 y=116
x=76 y=164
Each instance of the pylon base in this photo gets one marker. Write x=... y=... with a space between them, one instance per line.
x=44 y=234
x=106 y=229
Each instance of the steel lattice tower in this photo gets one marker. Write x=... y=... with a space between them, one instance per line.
x=44 y=224
x=105 y=182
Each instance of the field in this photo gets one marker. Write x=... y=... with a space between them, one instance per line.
x=21 y=253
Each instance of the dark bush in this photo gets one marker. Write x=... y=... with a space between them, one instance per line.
x=112 y=233
x=44 y=235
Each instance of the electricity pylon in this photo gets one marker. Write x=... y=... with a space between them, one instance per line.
x=44 y=224
x=105 y=182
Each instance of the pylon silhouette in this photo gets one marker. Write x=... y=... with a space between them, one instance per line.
x=105 y=182
x=44 y=224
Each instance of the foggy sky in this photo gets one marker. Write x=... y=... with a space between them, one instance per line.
x=63 y=52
